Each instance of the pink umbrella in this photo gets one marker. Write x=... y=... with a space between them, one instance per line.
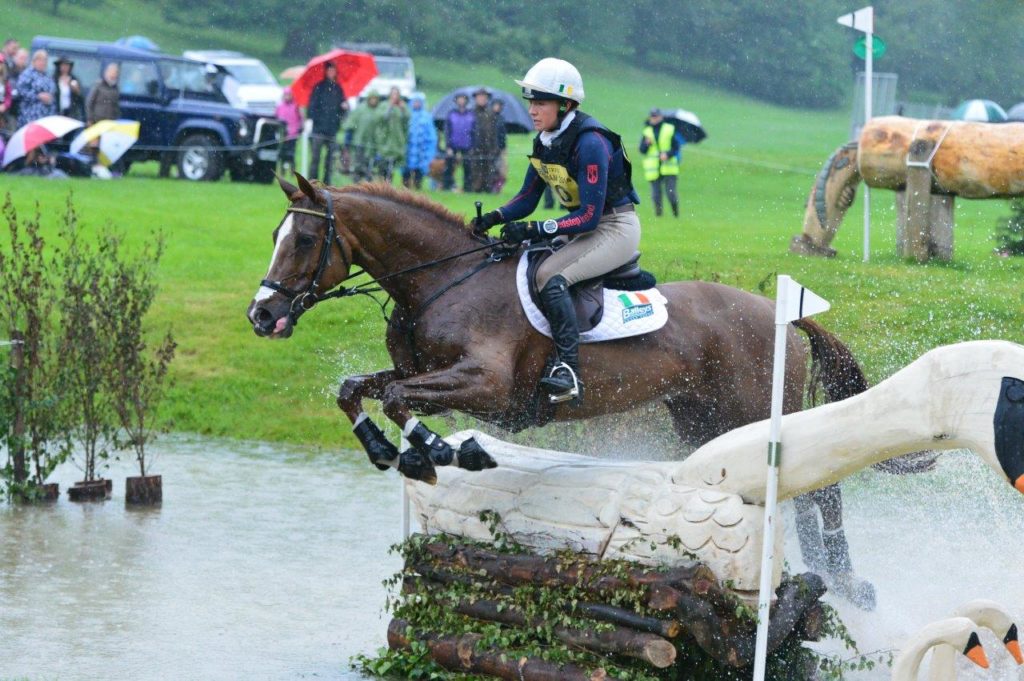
x=37 y=133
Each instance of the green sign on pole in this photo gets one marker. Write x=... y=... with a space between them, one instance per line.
x=877 y=47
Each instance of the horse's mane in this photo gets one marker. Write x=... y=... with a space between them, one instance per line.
x=398 y=195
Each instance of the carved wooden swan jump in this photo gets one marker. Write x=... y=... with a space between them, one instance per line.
x=969 y=395
x=958 y=632
x=987 y=614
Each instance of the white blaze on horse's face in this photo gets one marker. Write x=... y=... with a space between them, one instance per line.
x=282 y=234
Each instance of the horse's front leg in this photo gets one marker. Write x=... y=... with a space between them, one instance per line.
x=382 y=453
x=462 y=387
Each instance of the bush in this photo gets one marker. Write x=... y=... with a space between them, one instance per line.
x=33 y=392
x=1009 y=234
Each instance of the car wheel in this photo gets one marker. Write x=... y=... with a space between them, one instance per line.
x=198 y=159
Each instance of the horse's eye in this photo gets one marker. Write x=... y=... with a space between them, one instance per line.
x=304 y=241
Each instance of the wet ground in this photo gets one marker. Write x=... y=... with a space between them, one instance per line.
x=266 y=563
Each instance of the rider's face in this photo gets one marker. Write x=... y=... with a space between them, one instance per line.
x=544 y=114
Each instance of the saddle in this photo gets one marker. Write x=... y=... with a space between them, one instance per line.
x=588 y=295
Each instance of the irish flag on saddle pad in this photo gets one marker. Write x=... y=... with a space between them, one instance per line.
x=635 y=305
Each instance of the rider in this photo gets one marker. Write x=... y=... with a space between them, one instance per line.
x=585 y=165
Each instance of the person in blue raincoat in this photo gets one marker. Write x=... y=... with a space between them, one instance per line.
x=422 y=145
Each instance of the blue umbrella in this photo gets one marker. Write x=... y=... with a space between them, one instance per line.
x=514 y=113
x=1016 y=112
x=982 y=110
x=139 y=42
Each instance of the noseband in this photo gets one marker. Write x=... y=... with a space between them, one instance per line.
x=307 y=300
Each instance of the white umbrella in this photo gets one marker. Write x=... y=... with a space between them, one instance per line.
x=115 y=138
x=37 y=133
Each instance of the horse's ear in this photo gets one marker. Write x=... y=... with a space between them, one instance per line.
x=287 y=187
x=307 y=189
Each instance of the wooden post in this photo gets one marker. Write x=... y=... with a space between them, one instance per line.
x=919 y=200
x=941 y=218
x=17 y=442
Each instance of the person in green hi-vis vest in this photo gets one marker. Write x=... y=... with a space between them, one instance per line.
x=660 y=145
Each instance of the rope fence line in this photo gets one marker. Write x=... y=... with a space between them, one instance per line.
x=753 y=162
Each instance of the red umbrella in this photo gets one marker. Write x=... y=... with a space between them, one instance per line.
x=355 y=70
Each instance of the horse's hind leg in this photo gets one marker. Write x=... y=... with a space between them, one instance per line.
x=837 y=563
x=382 y=453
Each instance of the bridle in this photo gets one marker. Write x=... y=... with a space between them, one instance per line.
x=303 y=301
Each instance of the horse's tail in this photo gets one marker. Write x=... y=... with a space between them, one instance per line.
x=833 y=366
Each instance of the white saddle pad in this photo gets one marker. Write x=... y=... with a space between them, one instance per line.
x=626 y=313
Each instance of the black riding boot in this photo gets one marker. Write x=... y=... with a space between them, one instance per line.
x=563 y=382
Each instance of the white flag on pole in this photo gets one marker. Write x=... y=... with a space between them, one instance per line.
x=796 y=302
x=862 y=20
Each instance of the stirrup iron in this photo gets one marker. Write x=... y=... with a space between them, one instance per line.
x=570 y=394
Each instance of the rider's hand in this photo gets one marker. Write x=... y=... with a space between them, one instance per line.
x=516 y=232
x=485 y=222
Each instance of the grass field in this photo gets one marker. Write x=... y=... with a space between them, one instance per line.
x=742 y=193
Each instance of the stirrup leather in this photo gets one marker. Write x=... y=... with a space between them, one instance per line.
x=570 y=394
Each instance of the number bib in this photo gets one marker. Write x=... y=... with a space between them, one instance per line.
x=561 y=182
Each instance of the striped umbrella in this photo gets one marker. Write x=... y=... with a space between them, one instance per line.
x=38 y=133
x=982 y=110
x=115 y=138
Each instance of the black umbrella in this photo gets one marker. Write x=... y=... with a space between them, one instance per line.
x=687 y=123
x=514 y=113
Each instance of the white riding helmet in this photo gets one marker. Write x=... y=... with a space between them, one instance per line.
x=552 y=78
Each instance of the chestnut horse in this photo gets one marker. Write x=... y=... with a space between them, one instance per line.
x=460 y=340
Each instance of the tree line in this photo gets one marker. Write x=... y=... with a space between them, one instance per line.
x=790 y=52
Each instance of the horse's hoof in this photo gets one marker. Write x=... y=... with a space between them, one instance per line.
x=431 y=445
x=413 y=464
x=382 y=453
x=472 y=456
x=858 y=591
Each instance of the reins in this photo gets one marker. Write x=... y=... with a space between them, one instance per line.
x=302 y=301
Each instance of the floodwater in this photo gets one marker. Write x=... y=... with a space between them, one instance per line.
x=266 y=563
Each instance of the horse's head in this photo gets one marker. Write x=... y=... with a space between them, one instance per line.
x=310 y=257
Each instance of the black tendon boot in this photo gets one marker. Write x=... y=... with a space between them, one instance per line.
x=381 y=452
x=563 y=382
x=430 y=444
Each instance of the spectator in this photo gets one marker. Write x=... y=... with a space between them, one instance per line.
x=362 y=124
x=458 y=138
x=660 y=147
x=422 y=143
x=501 y=163
x=484 y=150
x=327 y=108
x=392 y=135
x=6 y=97
x=70 y=101
x=11 y=48
x=288 y=112
x=103 y=102
x=37 y=93
x=20 y=62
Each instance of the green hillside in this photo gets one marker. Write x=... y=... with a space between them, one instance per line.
x=742 y=191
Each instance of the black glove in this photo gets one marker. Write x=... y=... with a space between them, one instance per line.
x=485 y=222
x=516 y=232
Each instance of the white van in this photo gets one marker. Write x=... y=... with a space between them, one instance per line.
x=255 y=87
x=394 y=69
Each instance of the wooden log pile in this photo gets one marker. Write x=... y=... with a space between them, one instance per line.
x=620 y=613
